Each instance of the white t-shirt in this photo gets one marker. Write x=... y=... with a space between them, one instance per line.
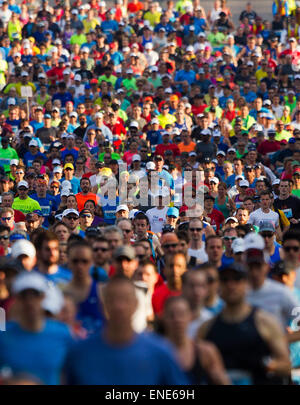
x=200 y=254
x=275 y=298
x=157 y=218
x=139 y=173
x=194 y=326
x=257 y=216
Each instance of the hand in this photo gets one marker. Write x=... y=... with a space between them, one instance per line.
x=294 y=221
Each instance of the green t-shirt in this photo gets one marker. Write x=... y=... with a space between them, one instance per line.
x=296 y=193
x=129 y=84
x=114 y=156
x=111 y=79
x=78 y=39
x=26 y=206
x=216 y=39
x=6 y=155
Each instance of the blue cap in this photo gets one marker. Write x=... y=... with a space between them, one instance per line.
x=38 y=212
x=87 y=86
x=266 y=226
x=47 y=116
x=251 y=148
x=292 y=140
x=16 y=236
x=173 y=211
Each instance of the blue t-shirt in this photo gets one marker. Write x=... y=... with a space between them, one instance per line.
x=40 y=354
x=75 y=184
x=48 y=204
x=29 y=158
x=109 y=209
x=146 y=360
x=62 y=276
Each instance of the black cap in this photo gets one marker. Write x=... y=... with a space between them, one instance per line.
x=237 y=267
x=249 y=167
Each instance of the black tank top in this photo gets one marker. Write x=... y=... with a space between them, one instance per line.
x=241 y=346
x=196 y=374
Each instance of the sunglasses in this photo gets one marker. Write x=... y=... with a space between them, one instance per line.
x=54 y=187
x=227 y=238
x=127 y=230
x=6 y=218
x=211 y=279
x=289 y=248
x=5 y=237
x=267 y=234
x=72 y=218
x=170 y=245
x=19 y=172
x=196 y=229
x=100 y=248
x=235 y=277
x=86 y=216
x=140 y=257
x=83 y=261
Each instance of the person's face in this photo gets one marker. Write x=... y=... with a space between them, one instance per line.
x=30 y=303
x=7 y=201
x=72 y=203
x=114 y=240
x=86 y=219
x=176 y=317
x=195 y=230
x=101 y=252
x=208 y=205
x=233 y=287
x=49 y=252
x=4 y=239
x=141 y=227
x=265 y=201
x=195 y=288
x=228 y=238
x=147 y=274
x=62 y=233
x=175 y=268
x=284 y=188
x=291 y=250
x=249 y=205
x=23 y=191
x=214 y=249
x=127 y=230
x=80 y=261
x=72 y=221
x=120 y=303
x=257 y=273
x=242 y=216
x=85 y=186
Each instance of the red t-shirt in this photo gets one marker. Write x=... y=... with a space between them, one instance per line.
x=198 y=110
x=19 y=216
x=160 y=149
x=133 y=8
x=268 y=147
x=217 y=218
x=160 y=296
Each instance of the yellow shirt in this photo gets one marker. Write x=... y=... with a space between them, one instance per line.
x=260 y=74
x=153 y=18
x=90 y=25
x=166 y=119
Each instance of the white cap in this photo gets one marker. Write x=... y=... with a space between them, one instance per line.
x=149 y=45
x=57 y=169
x=53 y=49
x=190 y=48
x=99 y=115
x=66 y=184
x=254 y=241
x=250 y=63
x=238 y=245
x=214 y=180
x=74 y=11
x=14 y=162
x=276 y=181
x=29 y=281
x=221 y=152
x=129 y=71
x=24 y=73
x=41 y=76
x=122 y=207
x=77 y=78
x=154 y=121
x=54 y=300
x=85 y=49
x=26 y=46
x=231 y=219
x=244 y=183
x=11 y=101
x=205 y=132
x=134 y=124
x=154 y=69
x=132 y=213
x=23 y=247
x=65 y=192
x=231 y=150
x=74 y=114
x=70 y=211
x=56 y=162
x=239 y=177
x=150 y=166
x=33 y=142
x=67 y=72
x=168 y=90
x=22 y=183
x=136 y=157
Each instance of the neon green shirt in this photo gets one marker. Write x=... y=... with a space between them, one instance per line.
x=111 y=79
x=26 y=206
x=129 y=84
x=6 y=155
x=78 y=39
x=114 y=156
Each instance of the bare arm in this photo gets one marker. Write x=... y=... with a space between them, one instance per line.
x=212 y=362
x=274 y=336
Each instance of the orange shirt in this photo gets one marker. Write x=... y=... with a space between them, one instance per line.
x=81 y=199
x=186 y=148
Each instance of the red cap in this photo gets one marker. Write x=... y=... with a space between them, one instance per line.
x=297 y=170
x=184 y=208
x=92 y=81
x=76 y=57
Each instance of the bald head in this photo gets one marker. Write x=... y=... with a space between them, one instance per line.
x=169 y=243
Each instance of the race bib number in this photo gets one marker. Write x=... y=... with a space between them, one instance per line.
x=288 y=213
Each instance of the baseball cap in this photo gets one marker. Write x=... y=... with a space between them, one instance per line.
x=33 y=142
x=150 y=166
x=221 y=152
x=136 y=157
x=54 y=300
x=23 y=247
x=244 y=183
x=238 y=245
x=236 y=267
x=32 y=216
x=70 y=211
x=266 y=226
x=57 y=169
x=122 y=207
x=29 y=281
x=68 y=166
x=231 y=219
x=214 y=180
x=254 y=241
x=14 y=162
x=173 y=211
x=22 y=183
x=77 y=77
x=11 y=101
x=125 y=251
x=134 y=124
